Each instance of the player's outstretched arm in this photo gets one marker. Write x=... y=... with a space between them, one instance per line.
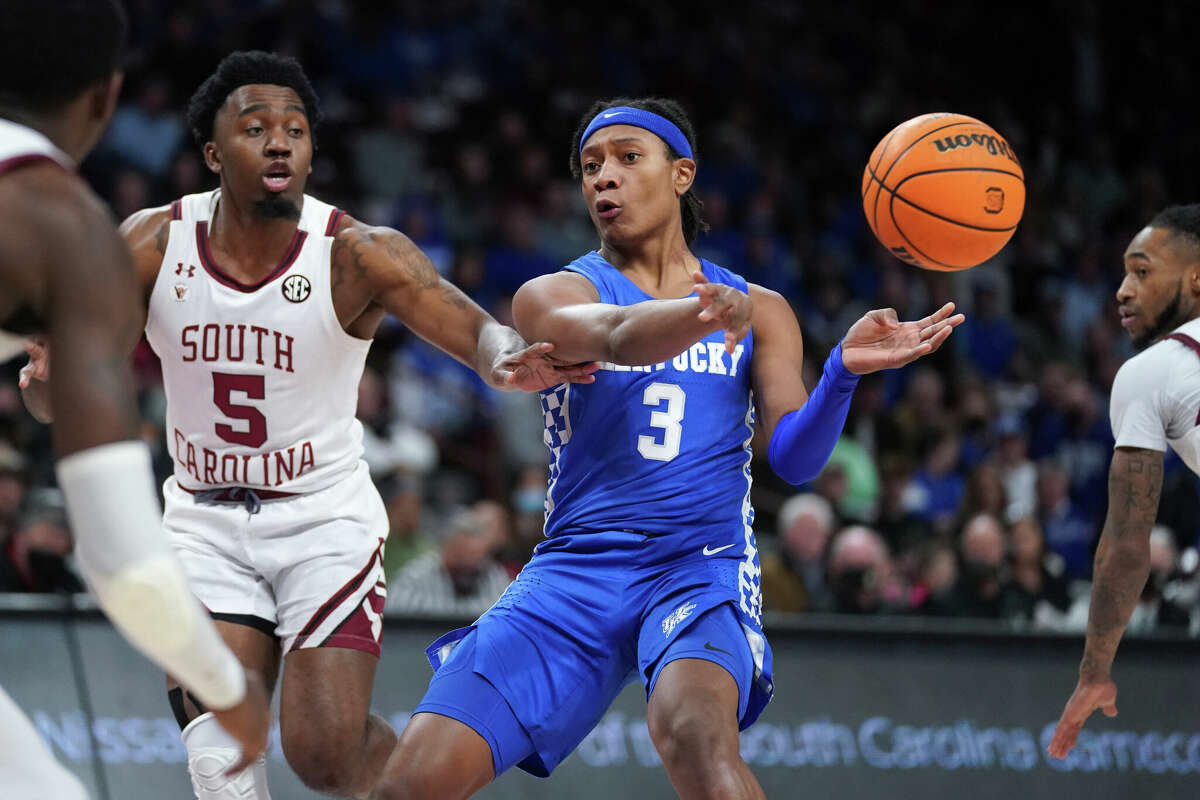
x=564 y=308
x=1121 y=568
x=91 y=298
x=803 y=429
x=381 y=268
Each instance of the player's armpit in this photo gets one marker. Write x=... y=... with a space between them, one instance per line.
x=146 y=232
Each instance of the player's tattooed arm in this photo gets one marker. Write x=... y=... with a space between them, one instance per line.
x=379 y=270
x=1123 y=555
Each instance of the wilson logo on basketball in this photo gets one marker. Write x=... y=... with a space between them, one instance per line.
x=993 y=144
x=993 y=200
x=297 y=288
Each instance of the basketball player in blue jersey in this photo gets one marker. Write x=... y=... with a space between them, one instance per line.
x=649 y=569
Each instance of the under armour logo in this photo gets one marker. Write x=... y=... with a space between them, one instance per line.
x=190 y=270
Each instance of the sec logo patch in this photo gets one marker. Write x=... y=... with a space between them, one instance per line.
x=296 y=288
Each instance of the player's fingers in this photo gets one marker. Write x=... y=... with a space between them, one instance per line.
x=1110 y=710
x=699 y=277
x=885 y=317
x=939 y=338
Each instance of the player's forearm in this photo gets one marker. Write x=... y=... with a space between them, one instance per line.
x=1123 y=555
x=494 y=343
x=1122 y=566
x=655 y=331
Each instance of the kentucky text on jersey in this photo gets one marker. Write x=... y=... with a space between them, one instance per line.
x=206 y=343
x=708 y=357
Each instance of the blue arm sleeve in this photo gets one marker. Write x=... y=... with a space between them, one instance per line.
x=804 y=439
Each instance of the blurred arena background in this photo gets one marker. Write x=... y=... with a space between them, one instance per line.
x=971 y=486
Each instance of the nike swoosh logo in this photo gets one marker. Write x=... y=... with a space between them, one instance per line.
x=713 y=551
x=710 y=646
x=613 y=114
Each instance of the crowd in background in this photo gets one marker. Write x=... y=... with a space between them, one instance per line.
x=972 y=483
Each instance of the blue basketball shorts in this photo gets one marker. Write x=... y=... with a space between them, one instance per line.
x=536 y=673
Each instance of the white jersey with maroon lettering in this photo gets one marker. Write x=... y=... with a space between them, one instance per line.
x=261 y=380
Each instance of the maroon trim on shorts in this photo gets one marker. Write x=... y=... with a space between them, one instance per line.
x=339 y=597
x=334 y=218
x=224 y=279
x=263 y=494
x=1184 y=339
x=176 y=209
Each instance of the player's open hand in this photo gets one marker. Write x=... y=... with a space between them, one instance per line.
x=38 y=368
x=881 y=341
x=249 y=722
x=534 y=369
x=732 y=308
x=1086 y=698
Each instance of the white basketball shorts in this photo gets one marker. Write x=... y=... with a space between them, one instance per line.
x=307 y=569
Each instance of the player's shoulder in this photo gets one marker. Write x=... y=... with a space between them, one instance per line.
x=360 y=240
x=44 y=194
x=1151 y=367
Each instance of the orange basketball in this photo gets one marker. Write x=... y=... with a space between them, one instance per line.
x=943 y=191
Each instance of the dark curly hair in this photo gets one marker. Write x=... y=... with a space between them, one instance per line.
x=1183 y=222
x=690 y=204
x=243 y=68
x=55 y=49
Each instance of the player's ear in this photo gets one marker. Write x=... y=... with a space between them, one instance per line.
x=684 y=173
x=212 y=158
x=104 y=98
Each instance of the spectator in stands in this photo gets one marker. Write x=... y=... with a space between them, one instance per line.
x=1039 y=588
x=34 y=556
x=1016 y=471
x=1069 y=533
x=794 y=575
x=461 y=577
x=983 y=586
x=860 y=577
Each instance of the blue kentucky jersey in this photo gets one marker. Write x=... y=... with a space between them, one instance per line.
x=662 y=449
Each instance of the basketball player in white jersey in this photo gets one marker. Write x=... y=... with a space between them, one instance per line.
x=65 y=274
x=262 y=302
x=1155 y=405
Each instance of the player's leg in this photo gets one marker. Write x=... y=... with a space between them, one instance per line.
x=695 y=705
x=463 y=734
x=208 y=541
x=27 y=769
x=330 y=738
x=211 y=751
x=323 y=554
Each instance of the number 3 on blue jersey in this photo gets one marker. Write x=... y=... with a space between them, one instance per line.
x=667 y=421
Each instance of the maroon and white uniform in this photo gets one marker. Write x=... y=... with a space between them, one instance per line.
x=271 y=509
x=1156 y=397
x=26 y=767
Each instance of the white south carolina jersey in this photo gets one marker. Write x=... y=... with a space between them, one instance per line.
x=20 y=144
x=261 y=380
x=1156 y=397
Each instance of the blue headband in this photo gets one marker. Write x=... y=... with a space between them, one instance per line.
x=661 y=127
